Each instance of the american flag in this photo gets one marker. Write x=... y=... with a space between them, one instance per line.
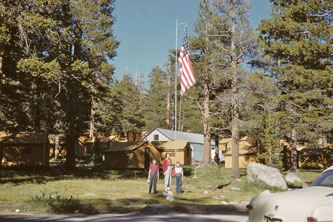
x=186 y=71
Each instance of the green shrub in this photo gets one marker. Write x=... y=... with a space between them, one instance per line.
x=61 y=205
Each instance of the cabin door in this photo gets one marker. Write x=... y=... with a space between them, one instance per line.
x=147 y=158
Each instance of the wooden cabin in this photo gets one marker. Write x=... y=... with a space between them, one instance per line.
x=85 y=146
x=195 y=140
x=309 y=156
x=247 y=152
x=183 y=151
x=24 y=149
x=130 y=155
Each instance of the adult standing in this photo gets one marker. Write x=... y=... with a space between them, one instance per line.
x=167 y=169
x=153 y=176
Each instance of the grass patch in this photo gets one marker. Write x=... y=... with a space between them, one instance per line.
x=55 y=203
x=308 y=175
x=93 y=189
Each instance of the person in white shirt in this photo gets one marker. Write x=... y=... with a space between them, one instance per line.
x=179 y=178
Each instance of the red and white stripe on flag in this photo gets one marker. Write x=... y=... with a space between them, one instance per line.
x=186 y=71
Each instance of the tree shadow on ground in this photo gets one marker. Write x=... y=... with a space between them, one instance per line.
x=31 y=174
x=114 y=218
x=56 y=171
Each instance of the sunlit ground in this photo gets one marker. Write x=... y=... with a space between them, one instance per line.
x=96 y=190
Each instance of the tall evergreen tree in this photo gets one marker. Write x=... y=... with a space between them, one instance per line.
x=156 y=100
x=299 y=39
x=121 y=111
x=108 y=112
x=260 y=120
x=170 y=88
x=56 y=52
x=238 y=47
x=203 y=48
x=131 y=119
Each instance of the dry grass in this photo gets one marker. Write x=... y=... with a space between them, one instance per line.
x=113 y=192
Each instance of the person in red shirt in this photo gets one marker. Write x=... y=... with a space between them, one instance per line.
x=167 y=169
x=153 y=176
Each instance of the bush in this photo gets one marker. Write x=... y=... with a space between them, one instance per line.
x=216 y=171
x=61 y=205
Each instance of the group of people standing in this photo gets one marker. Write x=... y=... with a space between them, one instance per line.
x=169 y=172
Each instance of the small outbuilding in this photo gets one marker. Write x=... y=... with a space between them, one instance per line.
x=195 y=140
x=24 y=149
x=183 y=150
x=130 y=155
x=309 y=156
x=247 y=153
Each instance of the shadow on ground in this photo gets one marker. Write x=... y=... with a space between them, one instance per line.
x=125 y=217
x=26 y=174
x=56 y=171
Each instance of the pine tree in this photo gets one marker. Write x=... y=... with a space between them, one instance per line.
x=203 y=49
x=131 y=119
x=260 y=119
x=156 y=100
x=298 y=38
x=238 y=48
x=170 y=88
x=109 y=112
x=54 y=62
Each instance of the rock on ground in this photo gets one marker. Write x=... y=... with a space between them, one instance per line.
x=292 y=178
x=264 y=174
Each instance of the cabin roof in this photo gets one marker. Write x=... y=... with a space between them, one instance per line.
x=124 y=146
x=23 y=138
x=182 y=136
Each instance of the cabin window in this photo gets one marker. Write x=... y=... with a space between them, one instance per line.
x=156 y=137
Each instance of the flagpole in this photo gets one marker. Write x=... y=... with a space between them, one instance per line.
x=176 y=92
x=176 y=71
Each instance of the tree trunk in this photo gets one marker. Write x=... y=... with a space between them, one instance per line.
x=56 y=147
x=70 y=141
x=217 y=148
x=36 y=107
x=92 y=120
x=1 y=74
x=1 y=156
x=293 y=155
x=235 y=108
x=70 y=152
x=71 y=132
x=207 y=127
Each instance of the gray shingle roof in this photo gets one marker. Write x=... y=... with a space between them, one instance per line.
x=190 y=137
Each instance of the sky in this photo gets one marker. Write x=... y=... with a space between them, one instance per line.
x=146 y=30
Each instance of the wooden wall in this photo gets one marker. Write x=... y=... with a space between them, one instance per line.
x=24 y=154
x=134 y=159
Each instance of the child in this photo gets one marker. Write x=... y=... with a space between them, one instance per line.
x=153 y=176
x=179 y=178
